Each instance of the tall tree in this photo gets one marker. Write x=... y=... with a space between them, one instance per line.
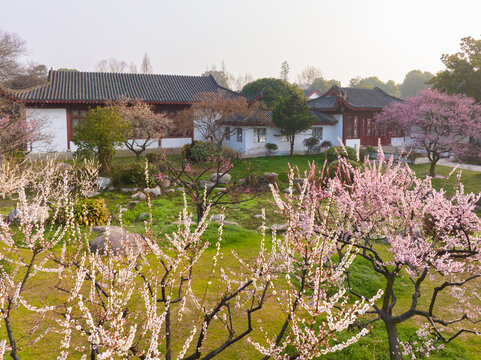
x=12 y=47
x=371 y=82
x=308 y=75
x=146 y=66
x=292 y=115
x=414 y=81
x=436 y=122
x=31 y=75
x=112 y=65
x=271 y=88
x=221 y=76
x=284 y=75
x=463 y=70
x=323 y=85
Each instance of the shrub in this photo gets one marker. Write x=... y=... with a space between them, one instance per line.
x=312 y=145
x=131 y=174
x=88 y=212
x=200 y=151
x=326 y=144
x=271 y=147
x=333 y=153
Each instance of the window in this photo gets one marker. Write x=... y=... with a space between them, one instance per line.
x=351 y=127
x=76 y=117
x=239 y=134
x=227 y=133
x=284 y=137
x=317 y=132
x=260 y=135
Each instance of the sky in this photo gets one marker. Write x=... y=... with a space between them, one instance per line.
x=344 y=38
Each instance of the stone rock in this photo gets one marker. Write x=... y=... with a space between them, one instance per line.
x=119 y=242
x=216 y=217
x=165 y=182
x=180 y=188
x=143 y=216
x=103 y=228
x=35 y=213
x=206 y=183
x=111 y=188
x=241 y=181
x=258 y=216
x=286 y=190
x=170 y=190
x=221 y=179
x=219 y=189
x=103 y=182
x=128 y=190
x=271 y=177
x=279 y=227
x=93 y=194
x=139 y=195
x=154 y=191
x=227 y=222
x=299 y=181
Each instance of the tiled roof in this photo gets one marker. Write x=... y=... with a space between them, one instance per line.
x=92 y=87
x=355 y=98
x=256 y=118
x=323 y=102
x=323 y=119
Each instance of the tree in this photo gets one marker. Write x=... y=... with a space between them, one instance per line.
x=371 y=82
x=462 y=74
x=324 y=85
x=146 y=66
x=222 y=76
x=111 y=65
x=272 y=90
x=284 y=75
x=31 y=75
x=145 y=126
x=437 y=122
x=292 y=115
x=414 y=81
x=211 y=112
x=308 y=75
x=100 y=131
x=12 y=47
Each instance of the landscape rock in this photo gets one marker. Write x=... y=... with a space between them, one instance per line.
x=36 y=214
x=180 y=188
x=221 y=179
x=103 y=228
x=271 y=177
x=139 y=195
x=128 y=190
x=170 y=190
x=220 y=189
x=154 y=191
x=111 y=188
x=119 y=242
x=241 y=181
x=279 y=227
x=143 y=216
x=206 y=183
x=298 y=181
x=258 y=216
x=92 y=194
x=216 y=217
x=103 y=182
x=165 y=182
x=286 y=190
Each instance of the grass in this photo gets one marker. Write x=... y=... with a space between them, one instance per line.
x=244 y=239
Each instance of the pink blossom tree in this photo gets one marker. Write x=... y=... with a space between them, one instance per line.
x=437 y=122
x=432 y=239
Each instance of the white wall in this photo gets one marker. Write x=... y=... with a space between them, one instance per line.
x=354 y=143
x=54 y=127
x=169 y=143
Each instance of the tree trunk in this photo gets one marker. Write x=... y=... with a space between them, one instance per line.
x=137 y=156
x=432 y=168
x=395 y=352
x=292 y=145
x=200 y=213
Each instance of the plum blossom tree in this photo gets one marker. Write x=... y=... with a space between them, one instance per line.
x=431 y=238
x=437 y=122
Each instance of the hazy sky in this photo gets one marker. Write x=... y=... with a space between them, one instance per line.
x=345 y=38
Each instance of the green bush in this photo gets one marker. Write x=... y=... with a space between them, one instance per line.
x=333 y=153
x=131 y=174
x=88 y=212
x=344 y=175
x=312 y=145
x=200 y=151
x=271 y=147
